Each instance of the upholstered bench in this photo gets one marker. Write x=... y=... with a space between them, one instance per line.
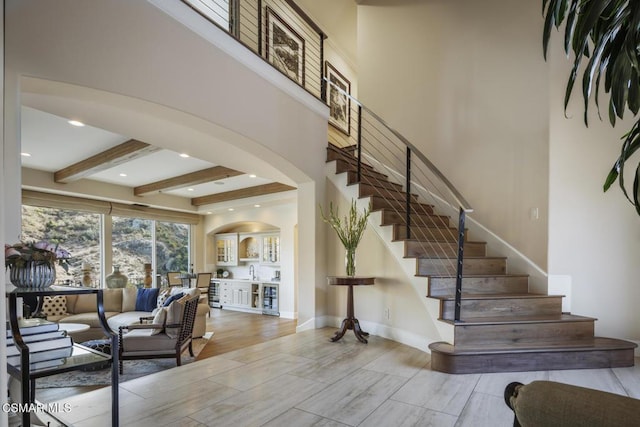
x=548 y=403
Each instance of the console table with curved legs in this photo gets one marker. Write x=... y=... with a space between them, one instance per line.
x=350 y=322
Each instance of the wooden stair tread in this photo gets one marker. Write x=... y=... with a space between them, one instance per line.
x=495 y=296
x=563 y=317
x=597 y=343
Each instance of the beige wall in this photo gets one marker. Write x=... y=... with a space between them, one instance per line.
x=390 y=308
x=466 y=83
x=594 y=237
x=152 y=68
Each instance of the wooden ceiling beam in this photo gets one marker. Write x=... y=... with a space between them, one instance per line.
x=199 y=177
x=112 y=157
x=258 y=190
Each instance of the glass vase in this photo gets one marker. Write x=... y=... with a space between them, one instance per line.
x=32 y=275
x=350 y=261
x=116 y=279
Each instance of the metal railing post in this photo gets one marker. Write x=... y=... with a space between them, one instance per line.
x=408 y=192
x=458 y=306
x=359 y=173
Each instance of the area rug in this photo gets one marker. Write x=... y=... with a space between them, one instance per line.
x=132 y=369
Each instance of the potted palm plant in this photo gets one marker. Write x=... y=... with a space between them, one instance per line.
x=604 y=38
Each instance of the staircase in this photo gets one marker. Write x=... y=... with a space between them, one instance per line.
x=503 y=327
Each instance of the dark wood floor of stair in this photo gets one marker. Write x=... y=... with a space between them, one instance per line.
x=503 y=326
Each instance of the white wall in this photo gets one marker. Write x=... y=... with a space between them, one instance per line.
x=123 y=61
x=594 y=237
x=465 y=82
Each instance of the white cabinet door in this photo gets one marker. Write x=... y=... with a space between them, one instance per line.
x=227 y=249
x=270 y=249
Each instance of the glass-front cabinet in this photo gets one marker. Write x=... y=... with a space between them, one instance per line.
x=270 y=249
x=227 y=249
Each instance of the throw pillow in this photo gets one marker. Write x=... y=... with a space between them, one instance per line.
x=172 y=298
x=174 y=316
x=162 y=297
x=159 y=319
x=146 y=299
x=54 y=306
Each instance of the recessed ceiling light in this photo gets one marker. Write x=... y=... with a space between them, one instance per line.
x=184 y=155
x=209 y=213
x=218 y=182
x=123 y=174
x=252 y=176
x=75 y=123
x=189 y=189
x=231 y=209
x=25 y=154
x=256 y=206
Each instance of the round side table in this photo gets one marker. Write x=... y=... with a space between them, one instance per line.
x=350 y=322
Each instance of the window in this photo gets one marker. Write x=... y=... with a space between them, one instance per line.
x=172 y=247
x=131 y=246
x=133 y=241
x=77 y=232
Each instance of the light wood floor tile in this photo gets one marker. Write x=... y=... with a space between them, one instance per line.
x=174 y=405
x=438 y=391
x=260 y=404
x=296 y=417
x=253 y=374
x=402 y=361
x=484 y=410
x=599 y=379
x=398 y=414
x=183 y=376
x=353 y=380
x=353 y=398
x=630 y=379
x=494 y=384
x=96 y=405
x=348 y=357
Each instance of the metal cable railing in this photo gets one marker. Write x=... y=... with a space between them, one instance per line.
x=412 y=192
x=276 y=30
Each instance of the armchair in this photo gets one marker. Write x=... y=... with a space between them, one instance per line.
x=160 y=339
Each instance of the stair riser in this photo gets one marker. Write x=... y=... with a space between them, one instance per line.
x=518 y=333
x=352 y=178
x=390 y=217
x=440 y=234
x=378 y=203
x=441 y=286
x=365 y=190
x=540 y=361
x=502 y=307
x=414 y=249
x=345 y=166
x=442 y=267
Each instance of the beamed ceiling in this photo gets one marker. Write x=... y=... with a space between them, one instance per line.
x=71 y=154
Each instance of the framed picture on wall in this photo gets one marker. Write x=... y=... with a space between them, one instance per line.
x=284 y=47
x=339 y=103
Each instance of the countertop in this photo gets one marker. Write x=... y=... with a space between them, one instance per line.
x=247 y=280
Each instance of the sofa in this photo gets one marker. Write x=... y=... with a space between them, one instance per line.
x=119 y=307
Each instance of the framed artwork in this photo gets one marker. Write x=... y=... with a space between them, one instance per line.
x=285 y=47
x=339 y=102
